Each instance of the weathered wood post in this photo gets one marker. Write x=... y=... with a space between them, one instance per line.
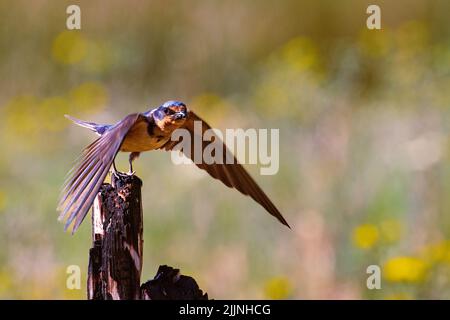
x=115 y=259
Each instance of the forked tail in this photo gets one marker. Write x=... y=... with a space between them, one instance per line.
x=97 y=128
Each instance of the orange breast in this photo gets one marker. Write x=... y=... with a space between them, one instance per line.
x=138 y=139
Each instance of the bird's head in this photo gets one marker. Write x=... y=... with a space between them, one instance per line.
x=171 y=115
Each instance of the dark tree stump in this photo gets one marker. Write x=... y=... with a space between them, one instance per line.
x=169 y=284
x=115 y=259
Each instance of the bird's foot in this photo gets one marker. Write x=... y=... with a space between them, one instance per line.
x=119 y=174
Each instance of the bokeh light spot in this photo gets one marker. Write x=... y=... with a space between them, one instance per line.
x=89 y=96
x=391 y=230
x=69 y=47
x=300 y=53
x=405 y=269
x=278 y=288
x=365 y=236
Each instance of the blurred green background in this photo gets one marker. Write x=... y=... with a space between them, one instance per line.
x=364 y=153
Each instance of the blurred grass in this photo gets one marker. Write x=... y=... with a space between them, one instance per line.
x=364 y=153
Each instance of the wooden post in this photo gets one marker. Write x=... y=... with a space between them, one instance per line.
x=115 y=259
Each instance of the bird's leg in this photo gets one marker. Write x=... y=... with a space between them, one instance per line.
x=133 y=156
x=114 y=170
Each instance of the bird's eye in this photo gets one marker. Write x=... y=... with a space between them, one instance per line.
x=169 y=111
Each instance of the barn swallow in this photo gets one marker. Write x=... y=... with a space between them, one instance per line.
x=136 y=133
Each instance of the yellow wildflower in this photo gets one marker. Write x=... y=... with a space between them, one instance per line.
x=69 y=47
x=278 y=288
x=438 y=252
x=405 y=269
x=399 y=296
x=365 y=236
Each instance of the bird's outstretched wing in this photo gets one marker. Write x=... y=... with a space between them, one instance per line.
x=90 y=170
x=232 y=175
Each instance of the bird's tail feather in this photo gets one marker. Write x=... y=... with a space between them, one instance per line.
x=97 y=128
